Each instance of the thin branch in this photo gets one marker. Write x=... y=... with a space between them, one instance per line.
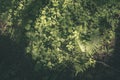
x=103 y=63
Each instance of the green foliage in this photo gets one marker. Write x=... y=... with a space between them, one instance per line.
x=56 y=38
x=61 y=32
x=69 y=31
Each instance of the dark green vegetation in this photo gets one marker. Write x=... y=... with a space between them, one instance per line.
x=59 y=39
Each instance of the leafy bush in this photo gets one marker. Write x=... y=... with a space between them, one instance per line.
x=61 y=33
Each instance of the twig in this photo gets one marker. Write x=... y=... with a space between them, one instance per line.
x=103 y=63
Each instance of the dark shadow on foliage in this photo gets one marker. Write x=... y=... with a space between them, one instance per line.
x=14 y=64
x=116 y=55
x=3 y=6
x=32 y=11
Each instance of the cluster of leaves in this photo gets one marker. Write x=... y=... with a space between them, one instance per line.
x=56 y=37
x=70 y=31
x=59 y=32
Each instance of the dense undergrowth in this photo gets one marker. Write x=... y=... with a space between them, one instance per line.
x=59 y=40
